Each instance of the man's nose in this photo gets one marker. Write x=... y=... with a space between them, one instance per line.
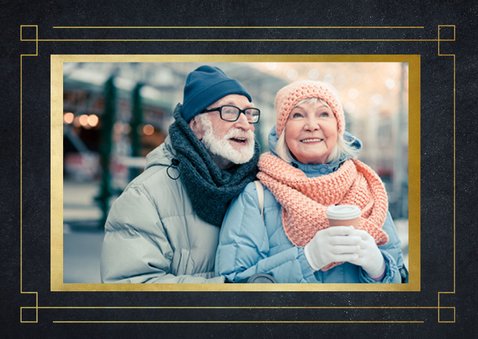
x=243 y=123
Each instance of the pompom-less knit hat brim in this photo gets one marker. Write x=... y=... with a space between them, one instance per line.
x=289 y=96
x=200 y=101
x=206 y=85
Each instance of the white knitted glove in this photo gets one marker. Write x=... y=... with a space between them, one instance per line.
x=369 y=256
x=333 y=244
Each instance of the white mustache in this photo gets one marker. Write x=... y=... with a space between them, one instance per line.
x=238 y=133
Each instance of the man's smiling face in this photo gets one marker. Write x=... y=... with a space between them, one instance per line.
x=232 y=141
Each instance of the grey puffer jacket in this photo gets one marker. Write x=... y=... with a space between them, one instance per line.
x=152 y=234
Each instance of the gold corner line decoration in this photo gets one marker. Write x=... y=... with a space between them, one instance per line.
x=440 y=40
x=21 y=176
x=238 y=322
x=36 y=40
x=238 y=27
x=445 y=308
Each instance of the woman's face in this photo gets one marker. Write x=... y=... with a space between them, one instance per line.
x=311 y=132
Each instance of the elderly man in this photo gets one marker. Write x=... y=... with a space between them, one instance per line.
x=164 y=227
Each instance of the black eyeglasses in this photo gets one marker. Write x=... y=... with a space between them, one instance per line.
x=231 y=113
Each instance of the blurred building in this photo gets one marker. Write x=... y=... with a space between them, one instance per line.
x=128 y=108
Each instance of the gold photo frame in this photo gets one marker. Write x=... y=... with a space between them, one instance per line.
x=413 y=62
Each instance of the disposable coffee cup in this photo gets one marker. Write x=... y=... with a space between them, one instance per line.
x=343 y=215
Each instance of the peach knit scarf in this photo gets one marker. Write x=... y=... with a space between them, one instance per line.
x=304 y=200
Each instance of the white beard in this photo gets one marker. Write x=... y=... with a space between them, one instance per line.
x=221 y=146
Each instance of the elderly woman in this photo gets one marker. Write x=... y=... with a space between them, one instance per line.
x=311 y=165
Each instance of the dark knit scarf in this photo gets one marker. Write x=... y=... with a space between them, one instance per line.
x=209 y=188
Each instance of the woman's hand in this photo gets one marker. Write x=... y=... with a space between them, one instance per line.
x=333 y=244
x=369 y=256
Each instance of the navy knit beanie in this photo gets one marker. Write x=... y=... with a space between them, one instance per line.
x=204 y=86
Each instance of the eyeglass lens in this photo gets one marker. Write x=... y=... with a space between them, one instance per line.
x=231 y=113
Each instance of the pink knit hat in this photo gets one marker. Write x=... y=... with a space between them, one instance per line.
x=289 y=96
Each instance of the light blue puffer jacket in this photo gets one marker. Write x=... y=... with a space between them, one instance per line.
x=251 y=244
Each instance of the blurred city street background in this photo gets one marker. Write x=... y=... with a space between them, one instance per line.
x=115 y=113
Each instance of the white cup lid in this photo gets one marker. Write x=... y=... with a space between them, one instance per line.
x=343 y=212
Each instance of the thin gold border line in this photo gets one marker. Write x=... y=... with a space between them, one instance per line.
x=454 y=199
x=239 y=307
x=417 y=307
x=454 y=173
x=453 y=56
x=21 y=172
x=238 y=27
x=238 y=321
x=21 y=175
x=36 y=41
x=235 y=40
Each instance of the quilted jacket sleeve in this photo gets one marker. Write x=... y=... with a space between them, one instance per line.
x=244 y=246
x=136 y=248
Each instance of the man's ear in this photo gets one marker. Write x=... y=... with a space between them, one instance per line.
x=196 y=126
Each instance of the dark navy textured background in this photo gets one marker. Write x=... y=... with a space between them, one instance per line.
x=437 y=185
